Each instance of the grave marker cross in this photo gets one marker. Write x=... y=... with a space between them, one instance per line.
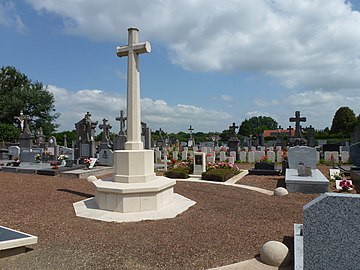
x=233 y=128
x=297 y=119
x=190 y=130
x=105 y=127
x=132 y=51
x=122 y=119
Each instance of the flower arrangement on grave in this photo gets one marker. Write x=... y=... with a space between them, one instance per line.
x=63 y=157
x=223 y=165
x=87 y=162
x=47 y=153
x=265 y=159
x=284 y=154
x=54 y=164
x=187 y=165
x=38 y=157
x=345 y=185
x=338 y=176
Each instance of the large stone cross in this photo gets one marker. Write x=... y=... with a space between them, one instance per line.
x=23 y=121
x=132 y=50
x=233 y=128
x=190 y=130
x=122 y=119
x=106 y=130
x=297 y=119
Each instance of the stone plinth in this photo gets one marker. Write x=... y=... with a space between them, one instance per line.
x=317 y=183
x=136 y=197
x=134 y=166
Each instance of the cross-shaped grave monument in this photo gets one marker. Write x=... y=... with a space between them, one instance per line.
x=135 y=188
x=297 y=119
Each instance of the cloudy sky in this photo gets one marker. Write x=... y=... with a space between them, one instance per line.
x=212 y=62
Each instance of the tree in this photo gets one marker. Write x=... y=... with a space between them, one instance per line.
x=8 y=132
x=256 y=125
x=344 y=121
x=17 y=93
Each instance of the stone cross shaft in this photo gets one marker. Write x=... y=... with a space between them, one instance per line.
x=233 y=128
x=105 y=127
x=297 y=119
x=132 y=51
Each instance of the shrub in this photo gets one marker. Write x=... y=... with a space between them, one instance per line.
x=219 y=175
x=179 y=173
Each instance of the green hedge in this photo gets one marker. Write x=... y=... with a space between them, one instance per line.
x=179 y=173
x=219 y=175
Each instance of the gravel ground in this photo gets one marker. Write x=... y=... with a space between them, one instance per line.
x=227 y=225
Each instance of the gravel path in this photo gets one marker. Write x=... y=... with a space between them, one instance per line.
x=227 y=225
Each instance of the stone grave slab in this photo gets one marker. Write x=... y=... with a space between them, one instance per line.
x=11 y=239
x=317 y=183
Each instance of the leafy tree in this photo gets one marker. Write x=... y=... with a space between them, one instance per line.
x=8 y=132
x=344 y=121
x=70 y=137
x=18 y=92
x=256 y=125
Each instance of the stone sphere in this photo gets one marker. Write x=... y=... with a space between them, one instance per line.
x=280 y=191
x=275 y=253
x=92 y=178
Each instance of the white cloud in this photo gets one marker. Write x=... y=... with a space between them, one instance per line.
x=266 y=102
x=156 y=113
x=9 y=16
x=226 y=98
x=314 y=44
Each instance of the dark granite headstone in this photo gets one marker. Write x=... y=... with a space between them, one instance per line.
x=85 y=132
x=331 y=147
x=355 y=154
x=331 y=232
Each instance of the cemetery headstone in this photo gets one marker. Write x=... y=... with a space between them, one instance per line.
x=14 y=152
x=85 y=142
x=223 y=156
x=106 y=157
x=28 y=155
x=242 y=156
x=259 y=155
x=233 y=141
x=304 y=156
x=271 y=155
x=26 y=137
x=184 y=155
x=344 y=156
x=331 y=156
x=331 y=232
x=251 y=156
x=199 y=163
x=120 y=139
x=53 y=148
x=105 y=140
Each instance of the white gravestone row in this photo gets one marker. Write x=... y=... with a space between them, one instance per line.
x=259 y=155
x=242 y=156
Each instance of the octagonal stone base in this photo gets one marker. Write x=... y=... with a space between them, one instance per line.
x=134 y=197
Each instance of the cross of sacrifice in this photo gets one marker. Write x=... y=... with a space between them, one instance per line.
x=297 y=119
x=122 y=119
x=233 y=128
x=132 y=51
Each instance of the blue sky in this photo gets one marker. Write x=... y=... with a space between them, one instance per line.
x=212 y=62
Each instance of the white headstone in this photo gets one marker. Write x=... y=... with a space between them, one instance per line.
x=331 y=156
x=184 y=155
x=279 y=156
x=251 y=156
x=222 y=156
x=259 y=155
x=344 y=156
x=242 y=156
x=271 y=155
